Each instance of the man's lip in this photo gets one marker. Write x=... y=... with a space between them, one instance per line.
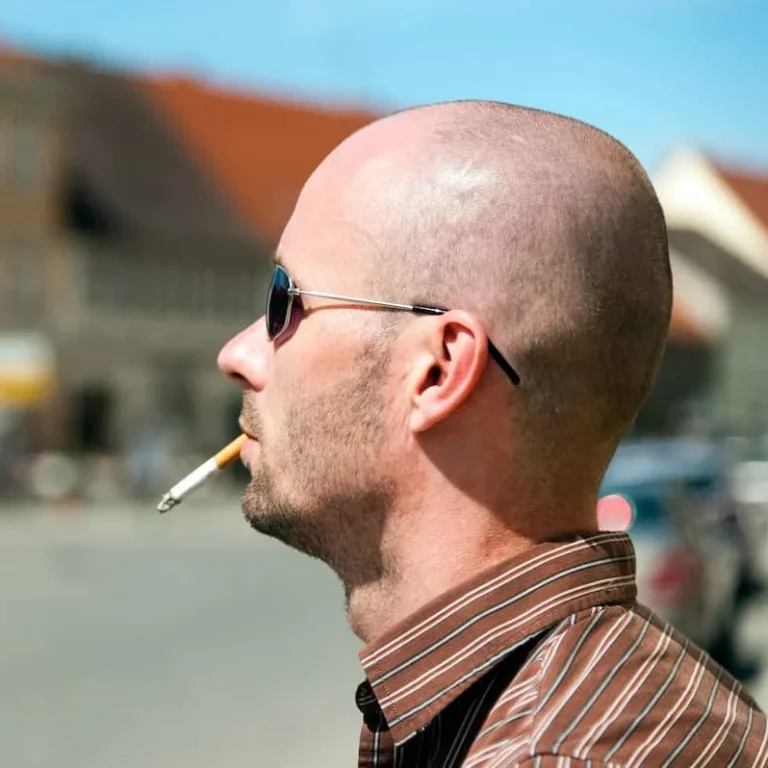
x=246 y=432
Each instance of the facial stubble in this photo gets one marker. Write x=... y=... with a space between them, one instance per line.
x=320 y=486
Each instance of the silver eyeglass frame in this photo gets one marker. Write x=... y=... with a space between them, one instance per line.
x=419 y=309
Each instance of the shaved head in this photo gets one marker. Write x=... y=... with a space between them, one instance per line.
x=394 y=445
x=550 y=231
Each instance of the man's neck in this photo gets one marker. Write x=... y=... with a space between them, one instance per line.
x=433 y=545
x=432 y=550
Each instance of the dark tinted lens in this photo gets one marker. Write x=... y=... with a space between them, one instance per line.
x=278 y=302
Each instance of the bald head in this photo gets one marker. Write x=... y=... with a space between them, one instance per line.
x=389 y=444
x=545 y=228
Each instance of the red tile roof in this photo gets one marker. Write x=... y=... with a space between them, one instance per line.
x=258 y=150
x=751 y=187
x=15 y=63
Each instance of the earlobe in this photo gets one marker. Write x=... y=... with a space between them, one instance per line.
x=458 y=351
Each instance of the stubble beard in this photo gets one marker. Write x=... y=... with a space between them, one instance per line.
x=327 y=497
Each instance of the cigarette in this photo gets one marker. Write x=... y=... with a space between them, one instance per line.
x=197 y=477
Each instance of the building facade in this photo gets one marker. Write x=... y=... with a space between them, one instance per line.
x=125 y=248
x=717 y=220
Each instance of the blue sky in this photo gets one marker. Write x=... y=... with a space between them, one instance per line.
x=655 y=73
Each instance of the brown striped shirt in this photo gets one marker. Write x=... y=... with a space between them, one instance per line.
x=548 y=660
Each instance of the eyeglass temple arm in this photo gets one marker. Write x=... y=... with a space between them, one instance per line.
x=502 y=361
x=418 y=309
x=492 y=348
x=351 y=299
x=493 y=351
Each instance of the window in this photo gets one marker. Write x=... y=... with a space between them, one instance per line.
x=6 y=280
x=6 y=151
x=175 y=395
x=22 y=277
x=95 y=283
x=22 y=155
x=29 y=156
x=30 y=277
x=115 y=280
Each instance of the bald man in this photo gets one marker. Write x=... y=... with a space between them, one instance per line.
x=468 y=308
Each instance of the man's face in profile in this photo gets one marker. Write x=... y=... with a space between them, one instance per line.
x=314 y=401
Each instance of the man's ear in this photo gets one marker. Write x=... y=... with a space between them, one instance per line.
x=455 y=356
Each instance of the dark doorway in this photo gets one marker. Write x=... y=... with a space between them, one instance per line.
x=92 y=414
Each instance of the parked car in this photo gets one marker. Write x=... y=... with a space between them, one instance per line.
x=673 y=496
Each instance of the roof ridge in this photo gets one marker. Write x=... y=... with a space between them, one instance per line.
x=237 y=91
x=740 y=168
x=259 y=150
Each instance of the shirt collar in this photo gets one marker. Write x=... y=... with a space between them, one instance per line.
x=420 y=666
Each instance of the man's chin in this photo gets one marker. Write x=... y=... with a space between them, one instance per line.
x=258 y=514
x=272 y=525
x=258 y=501
x=280 y=524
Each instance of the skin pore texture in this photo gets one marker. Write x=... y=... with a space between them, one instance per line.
x=390 y=445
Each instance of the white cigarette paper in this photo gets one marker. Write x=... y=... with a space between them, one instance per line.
x=198 y=476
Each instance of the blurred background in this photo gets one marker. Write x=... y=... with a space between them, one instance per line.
x=150 y=154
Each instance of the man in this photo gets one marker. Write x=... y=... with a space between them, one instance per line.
x=469 y=308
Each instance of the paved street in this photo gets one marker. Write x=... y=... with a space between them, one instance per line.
x=130 y=639
x=159 y=642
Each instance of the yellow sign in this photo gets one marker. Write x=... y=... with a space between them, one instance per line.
x=27 y=369
x=24 y=390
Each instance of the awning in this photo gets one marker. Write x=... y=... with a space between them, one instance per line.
x=27 y=369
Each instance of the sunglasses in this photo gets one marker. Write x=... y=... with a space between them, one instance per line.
x=284 y=311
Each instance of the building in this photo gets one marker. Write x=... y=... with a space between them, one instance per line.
x=717 y=218
x=136 y=229
x=28 y=157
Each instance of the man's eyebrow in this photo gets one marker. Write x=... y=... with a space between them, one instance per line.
x=277 y=259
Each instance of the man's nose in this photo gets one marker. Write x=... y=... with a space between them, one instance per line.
x=246 y=358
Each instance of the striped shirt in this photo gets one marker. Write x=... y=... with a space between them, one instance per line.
x=548 y=660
